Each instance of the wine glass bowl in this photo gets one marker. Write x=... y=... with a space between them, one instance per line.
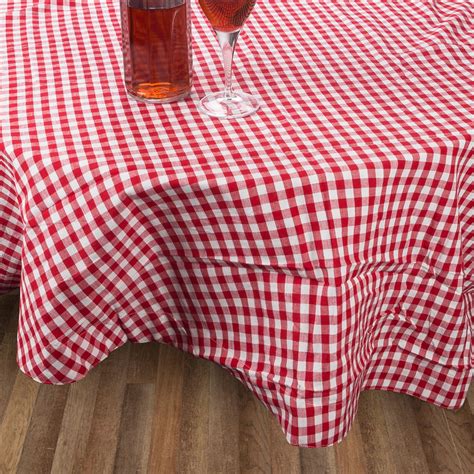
x=227 y=18
x=227 y=15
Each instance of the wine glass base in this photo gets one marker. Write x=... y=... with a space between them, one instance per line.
x=237 y=105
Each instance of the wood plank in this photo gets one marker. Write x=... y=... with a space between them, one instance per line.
x=40 y=442
x=285 y=457
x=223 y=448
x=374 y=435
x=255 y=449
x=318 y=460
x=135 y=429
x=105 y=425
x=194 y=432
x=461 y=433
x=402 y=431
x=470 y=399
x=167 y=414
x=16 y=420
x=143 y=363
x=9 y=308
x=350 y=454
x=439 y=449
x=8 y=365
x=76 y=423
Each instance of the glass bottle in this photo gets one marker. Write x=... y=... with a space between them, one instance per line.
x=156 y=44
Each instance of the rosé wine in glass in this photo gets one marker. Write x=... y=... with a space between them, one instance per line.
x=227 y=18
x=227 y=15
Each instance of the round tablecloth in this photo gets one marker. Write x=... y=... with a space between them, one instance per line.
x=318 y=248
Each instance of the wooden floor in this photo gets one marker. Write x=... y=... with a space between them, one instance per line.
x=150 y=408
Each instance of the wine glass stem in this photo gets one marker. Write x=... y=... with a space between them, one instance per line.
x=227 y=42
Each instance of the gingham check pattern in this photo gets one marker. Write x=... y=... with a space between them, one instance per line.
x=318 y=248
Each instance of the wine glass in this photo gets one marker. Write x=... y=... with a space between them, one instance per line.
x=227 y=18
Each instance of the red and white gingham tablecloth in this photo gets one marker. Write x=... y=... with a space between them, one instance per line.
x=318 y=248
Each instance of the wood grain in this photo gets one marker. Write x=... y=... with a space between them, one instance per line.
x=285 y=457
x=43 y=431
x=8 y=366
x=8 y=311
x=135 y=429
x=470 y=401
x=105 y=424
x=438 y=446
x=16 y=420
x=255 y=441
x=223 y=422
x=318 y=460
x=378 y=456
x=350 y=453
x=194 y=431
x=403 y=434
x=460 y=432
x=149 y=408
x=167 y=411
x=76 y=423
x=142 y=363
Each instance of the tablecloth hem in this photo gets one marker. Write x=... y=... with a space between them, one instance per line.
x=287 y=413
